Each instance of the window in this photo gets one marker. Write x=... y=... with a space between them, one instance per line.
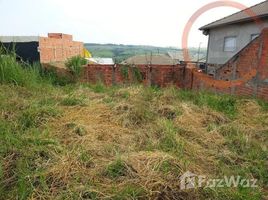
x=230 y=44
x=254 y=36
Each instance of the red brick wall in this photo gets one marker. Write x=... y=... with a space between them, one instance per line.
x=99 y=73
x=58 y=47
x=246 y=74
x=178 y=75
x=158 y=75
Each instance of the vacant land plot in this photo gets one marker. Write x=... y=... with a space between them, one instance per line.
x=93 y=142
x=62 y=140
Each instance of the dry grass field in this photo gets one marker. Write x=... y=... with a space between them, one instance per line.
x=83 y=141
x=65 y=140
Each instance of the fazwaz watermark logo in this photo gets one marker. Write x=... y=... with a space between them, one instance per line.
x=190 y=180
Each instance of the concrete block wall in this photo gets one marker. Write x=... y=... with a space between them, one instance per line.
x=58 y=47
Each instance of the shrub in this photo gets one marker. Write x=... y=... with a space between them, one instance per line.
x=17 y=73
x=25 y=74
x=75 y=65
x=137 y=76
x=124 y=71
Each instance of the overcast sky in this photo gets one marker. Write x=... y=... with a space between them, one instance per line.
x=146 y=22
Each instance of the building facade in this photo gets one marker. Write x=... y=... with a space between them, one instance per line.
x=230 y=35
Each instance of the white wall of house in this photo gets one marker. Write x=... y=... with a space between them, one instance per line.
x=242 y=32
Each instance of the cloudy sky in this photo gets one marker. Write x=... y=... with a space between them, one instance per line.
x=146 y=22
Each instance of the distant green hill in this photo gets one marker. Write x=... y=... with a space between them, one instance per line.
x=122 y=52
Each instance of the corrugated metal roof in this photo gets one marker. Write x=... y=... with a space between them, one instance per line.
x=101 y=61
x=261 y=10
x=150 y=59
x=5 y=39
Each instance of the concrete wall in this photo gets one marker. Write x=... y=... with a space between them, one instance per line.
x=58 y=47
x=242 y=31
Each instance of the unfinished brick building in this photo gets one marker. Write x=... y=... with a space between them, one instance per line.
x=57 y=47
